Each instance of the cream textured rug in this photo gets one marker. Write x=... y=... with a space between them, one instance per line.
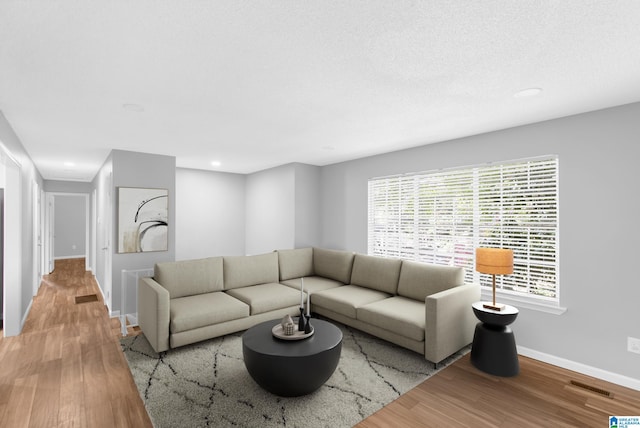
x=207 y=384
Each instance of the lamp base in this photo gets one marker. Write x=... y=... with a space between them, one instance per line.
x=495 y=307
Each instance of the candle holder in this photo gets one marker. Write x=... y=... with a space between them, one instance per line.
x=301 y=323
x=308 y=328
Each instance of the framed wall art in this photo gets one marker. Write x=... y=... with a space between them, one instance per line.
x=142 y=220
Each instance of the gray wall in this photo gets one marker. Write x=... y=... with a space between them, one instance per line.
x=59 y=186
x=270 y=210
x=129 y=169
x=210 y=214
x=307 y=206
x=132 y=169
x=70 y=226
x=599 y=176
x=283 y=208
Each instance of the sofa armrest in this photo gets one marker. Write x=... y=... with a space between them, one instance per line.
x=450 y=321
x=153 y=313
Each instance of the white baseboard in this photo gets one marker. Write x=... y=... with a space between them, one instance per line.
x=616 y=378
x=80 y=256
x=26 y=314
x=114 y=314
x=104 y=298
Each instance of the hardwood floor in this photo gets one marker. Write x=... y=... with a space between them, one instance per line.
x=542 y=395
x=67 y=369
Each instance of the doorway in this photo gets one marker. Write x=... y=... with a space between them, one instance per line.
x=67 y=227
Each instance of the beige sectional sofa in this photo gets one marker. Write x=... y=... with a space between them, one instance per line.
x=422 y=307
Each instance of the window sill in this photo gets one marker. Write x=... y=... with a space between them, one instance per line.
x=522 y=302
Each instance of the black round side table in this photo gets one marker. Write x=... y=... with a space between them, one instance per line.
x=291 y=368
x=494 y=346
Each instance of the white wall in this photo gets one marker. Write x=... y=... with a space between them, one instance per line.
x=70 y=226
x=210 y=214
x=599 y=204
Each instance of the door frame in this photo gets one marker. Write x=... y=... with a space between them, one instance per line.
x=10 y=169
x=50 y=226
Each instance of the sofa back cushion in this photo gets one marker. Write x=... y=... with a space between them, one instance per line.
x=377 y=273
x=190 y=277
x=333 y=264
x=419 y=280
x=295 y=263
x=243 y=271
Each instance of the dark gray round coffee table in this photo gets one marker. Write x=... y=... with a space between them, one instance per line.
x=290 y=368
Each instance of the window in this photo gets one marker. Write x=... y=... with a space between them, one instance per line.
x=440 y=217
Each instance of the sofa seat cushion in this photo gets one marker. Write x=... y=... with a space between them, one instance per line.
x=313 y=284
x=267 y=297
x=400 y=315
x=187 y=313
x=347 y=299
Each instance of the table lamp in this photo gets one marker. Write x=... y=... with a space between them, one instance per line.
x=495 y=261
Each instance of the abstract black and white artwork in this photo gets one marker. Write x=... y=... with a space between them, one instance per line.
x=142 y=220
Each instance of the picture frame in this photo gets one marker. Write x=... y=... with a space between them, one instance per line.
x=143 y=220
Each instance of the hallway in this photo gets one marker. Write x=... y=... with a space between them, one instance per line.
x=66 y=368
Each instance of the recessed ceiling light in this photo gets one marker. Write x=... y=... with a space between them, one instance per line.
x=216 y=163
x=133 y=107
x=529 y=92
x=69 y=164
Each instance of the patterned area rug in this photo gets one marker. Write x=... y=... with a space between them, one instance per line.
x=207 y=384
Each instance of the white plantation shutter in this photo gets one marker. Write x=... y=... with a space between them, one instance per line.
x=441 y=217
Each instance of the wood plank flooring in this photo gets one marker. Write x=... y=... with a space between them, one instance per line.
x=540 y=396
x=67 y=369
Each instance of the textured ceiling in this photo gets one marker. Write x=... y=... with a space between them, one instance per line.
x=255 y=84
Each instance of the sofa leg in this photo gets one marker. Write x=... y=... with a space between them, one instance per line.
x=435 y=366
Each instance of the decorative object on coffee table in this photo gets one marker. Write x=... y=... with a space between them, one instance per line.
x=281 y=332
x=287 y=325
x=494 y=261
x=308 y=327
x=301 y=323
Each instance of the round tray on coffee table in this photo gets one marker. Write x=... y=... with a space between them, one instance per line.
x=291 y=368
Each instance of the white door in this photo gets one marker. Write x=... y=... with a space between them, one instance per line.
x=50 y=232
x=10 y=178
x=37 y=237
